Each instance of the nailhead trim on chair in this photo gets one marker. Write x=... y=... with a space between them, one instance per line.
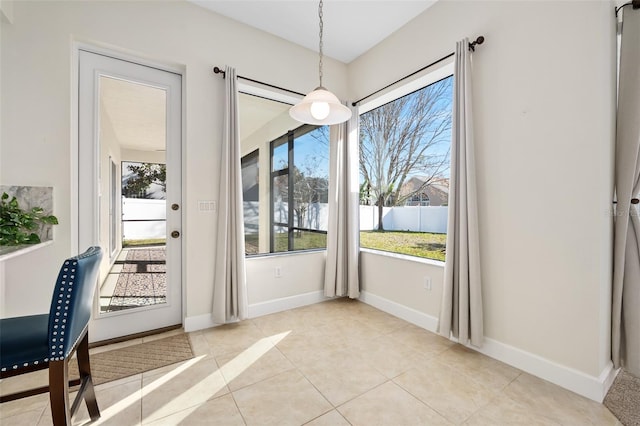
x=62 y=324
x=57 y=354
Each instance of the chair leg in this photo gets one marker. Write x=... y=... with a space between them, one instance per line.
x=84 y=368
x=59 y=392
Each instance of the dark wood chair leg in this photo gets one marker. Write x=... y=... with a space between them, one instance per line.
x=59 y=392
x=84 y=368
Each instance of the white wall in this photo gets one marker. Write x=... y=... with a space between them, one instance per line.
x=401 y=279
x=6 y=9
x=544 y=120
x=37 y=86
x=300 y=273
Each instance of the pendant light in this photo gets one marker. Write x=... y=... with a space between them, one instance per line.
x=320 y=107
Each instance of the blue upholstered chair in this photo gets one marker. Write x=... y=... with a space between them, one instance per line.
x=37 y=342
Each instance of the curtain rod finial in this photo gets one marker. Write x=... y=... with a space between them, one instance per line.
x=472 y=45
x=217 y=70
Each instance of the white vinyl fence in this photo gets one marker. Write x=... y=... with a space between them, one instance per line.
x=410 y=218
x=143 y=219
x=419 y=219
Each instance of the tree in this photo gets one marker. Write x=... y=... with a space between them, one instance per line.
x=142 y=176
x=402 y=139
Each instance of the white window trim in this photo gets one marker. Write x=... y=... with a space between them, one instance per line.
x=416 y=259
x=431 y=76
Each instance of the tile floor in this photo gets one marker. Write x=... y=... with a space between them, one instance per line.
x=335 y=363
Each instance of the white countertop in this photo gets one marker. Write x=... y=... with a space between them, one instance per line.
x=8 y=252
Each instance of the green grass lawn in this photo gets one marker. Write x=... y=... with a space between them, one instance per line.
x=421 y=244
x=301 y=241
x=147 y=242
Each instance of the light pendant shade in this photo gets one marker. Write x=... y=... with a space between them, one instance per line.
x=320 y=107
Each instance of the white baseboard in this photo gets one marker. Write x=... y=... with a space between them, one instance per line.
x=591 y=387
x=200 y=322
x=401 y=311
x=284 y=303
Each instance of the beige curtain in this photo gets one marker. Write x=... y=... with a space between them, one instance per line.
x=230 y=284
x=343 y=236
x=625 y=321
x=461 y=310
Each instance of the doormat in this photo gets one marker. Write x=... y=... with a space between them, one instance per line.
x=623 y=399
x=119 y=363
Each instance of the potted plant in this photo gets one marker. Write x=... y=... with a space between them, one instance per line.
x=18 y=226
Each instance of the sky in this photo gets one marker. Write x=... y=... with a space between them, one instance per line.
x=441 y=148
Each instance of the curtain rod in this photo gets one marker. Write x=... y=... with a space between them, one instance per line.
x=472 y=47
x=634 y=3
x=217 y=70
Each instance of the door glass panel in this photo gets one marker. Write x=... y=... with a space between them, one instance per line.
x=133 y=133
x=113 y=201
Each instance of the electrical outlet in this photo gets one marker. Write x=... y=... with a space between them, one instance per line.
x=277 y=272
x=427 y=283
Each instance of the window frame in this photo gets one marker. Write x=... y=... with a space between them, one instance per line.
x=255 y=154
x=289 y=139
x=431 y=76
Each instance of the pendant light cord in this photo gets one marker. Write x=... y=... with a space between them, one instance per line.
x=321 y=31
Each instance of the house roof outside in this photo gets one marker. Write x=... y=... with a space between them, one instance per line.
x=437 y=190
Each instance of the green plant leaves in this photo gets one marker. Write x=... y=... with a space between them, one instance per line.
x=16 y=224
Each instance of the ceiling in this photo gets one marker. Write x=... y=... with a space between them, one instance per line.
x=351 y=27
x=255 y=113
x=134 y=114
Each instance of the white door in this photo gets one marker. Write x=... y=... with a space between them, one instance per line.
x=130 y=115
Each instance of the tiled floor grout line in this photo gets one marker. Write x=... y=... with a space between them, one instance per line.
x=424 y=402
x=318 y=416
x=237 y=406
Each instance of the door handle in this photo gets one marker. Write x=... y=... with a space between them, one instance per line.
x=175 y=234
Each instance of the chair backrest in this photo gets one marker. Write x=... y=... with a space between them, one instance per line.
x=72 y=302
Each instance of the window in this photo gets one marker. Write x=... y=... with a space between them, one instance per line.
x=284 y=177
x=299 y=189
x=251 y=201
x=404 y=172
x=144 y=201
x=420 y=199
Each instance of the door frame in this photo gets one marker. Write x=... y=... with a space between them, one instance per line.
x=76 y=47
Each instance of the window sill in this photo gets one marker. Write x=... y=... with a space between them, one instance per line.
x=407 y=257
x=283 y=253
